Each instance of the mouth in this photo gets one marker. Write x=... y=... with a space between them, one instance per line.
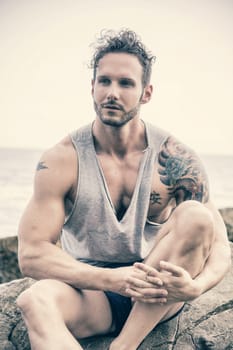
x=114 y=107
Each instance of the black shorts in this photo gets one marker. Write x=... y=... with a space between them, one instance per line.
x=121 y=307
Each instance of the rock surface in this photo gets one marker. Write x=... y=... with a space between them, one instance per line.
x=205 y=324
x=9 y=269
x=227 y=215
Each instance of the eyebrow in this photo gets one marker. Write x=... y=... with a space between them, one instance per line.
x=102 y=77
x=127 y=79
x=121 y=78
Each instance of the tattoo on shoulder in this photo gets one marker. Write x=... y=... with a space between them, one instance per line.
x=41 y=166
x=182 y=172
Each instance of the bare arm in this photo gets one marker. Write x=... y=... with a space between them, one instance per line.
x=41 y=225
x=187 y=179
x=182 y=173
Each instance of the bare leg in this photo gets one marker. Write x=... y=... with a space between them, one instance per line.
x=56 y=314
x=184 y=240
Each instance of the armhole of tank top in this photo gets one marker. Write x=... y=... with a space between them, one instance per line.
x=163 y=136
x=69 y=215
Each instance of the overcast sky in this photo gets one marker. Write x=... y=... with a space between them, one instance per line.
x=45 y=79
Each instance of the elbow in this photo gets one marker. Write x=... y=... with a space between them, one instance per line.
x=26 y=263
x=24 y=266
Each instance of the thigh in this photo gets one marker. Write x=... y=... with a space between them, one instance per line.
x=85 y=312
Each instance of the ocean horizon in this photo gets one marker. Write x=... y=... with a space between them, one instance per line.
x=18 y=167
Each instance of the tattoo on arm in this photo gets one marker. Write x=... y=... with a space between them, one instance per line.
x=41 y=166
x=155 y=198
x=182 y=172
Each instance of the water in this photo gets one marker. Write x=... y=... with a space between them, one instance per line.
x=16 y=183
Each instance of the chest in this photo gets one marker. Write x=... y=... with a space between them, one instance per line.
x=122 y=177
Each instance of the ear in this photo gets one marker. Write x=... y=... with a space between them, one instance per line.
x=147 y=93
x=92 y=86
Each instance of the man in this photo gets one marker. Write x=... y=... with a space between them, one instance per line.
x=140 y=235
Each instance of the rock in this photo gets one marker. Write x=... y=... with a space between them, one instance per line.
x=227 y=214
x=204 y=324
x=8 y=259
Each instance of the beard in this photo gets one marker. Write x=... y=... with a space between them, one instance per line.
x=111 y=119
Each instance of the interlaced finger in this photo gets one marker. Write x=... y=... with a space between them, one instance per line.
x=173 y=269
x=138 y=283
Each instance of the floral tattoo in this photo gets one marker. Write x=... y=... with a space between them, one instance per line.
x=182 y=172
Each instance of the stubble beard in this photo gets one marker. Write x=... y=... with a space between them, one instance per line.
x=112 y=121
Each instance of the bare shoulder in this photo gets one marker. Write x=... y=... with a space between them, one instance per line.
x=182 y=172
x=56 y=170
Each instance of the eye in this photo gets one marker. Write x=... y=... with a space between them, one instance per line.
x=104 y=81
x=126 y=82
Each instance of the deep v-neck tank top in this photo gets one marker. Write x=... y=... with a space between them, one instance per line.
x=92 y=232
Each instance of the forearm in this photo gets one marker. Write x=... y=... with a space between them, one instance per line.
x=46 y=260
x=215 y=268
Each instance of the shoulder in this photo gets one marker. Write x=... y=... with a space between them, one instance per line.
x=56 y=170
x=182 y=171
x=62 y=152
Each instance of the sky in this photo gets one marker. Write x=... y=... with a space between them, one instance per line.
x=45 y=79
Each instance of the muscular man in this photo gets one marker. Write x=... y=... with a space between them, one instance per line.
x=139 y=233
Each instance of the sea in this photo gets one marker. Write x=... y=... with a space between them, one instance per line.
x=17 y=168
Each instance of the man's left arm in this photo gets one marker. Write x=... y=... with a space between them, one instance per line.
x=187 y=179
x=190 y=181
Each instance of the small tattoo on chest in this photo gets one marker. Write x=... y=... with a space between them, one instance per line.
x=155 y=198
x=41 y=166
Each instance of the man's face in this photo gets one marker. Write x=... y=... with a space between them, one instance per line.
x=117 y=89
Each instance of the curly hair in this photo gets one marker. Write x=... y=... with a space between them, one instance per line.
x=125 y=41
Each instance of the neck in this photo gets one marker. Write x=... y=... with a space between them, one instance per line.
x=119 y=141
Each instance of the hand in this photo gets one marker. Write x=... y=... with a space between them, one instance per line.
x=176 y=281
x=117 y=282
x=131 y=282
x=145 y=285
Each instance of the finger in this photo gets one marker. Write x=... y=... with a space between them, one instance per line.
x=172 y=268
x=138 y=283
x=154 y=280
x=147 y=269
x=133 y=293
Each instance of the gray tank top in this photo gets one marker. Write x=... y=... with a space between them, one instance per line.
x=92 y=232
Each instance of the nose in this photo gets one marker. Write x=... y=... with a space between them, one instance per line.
x=113 y=93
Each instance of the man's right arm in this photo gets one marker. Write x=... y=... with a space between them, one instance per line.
x=41 y=225
x=42 y=221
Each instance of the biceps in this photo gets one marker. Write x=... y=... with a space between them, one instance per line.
x=42 y=221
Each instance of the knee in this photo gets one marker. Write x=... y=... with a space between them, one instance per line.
x=39 y=296
x=194 y=222
x=24 y=300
